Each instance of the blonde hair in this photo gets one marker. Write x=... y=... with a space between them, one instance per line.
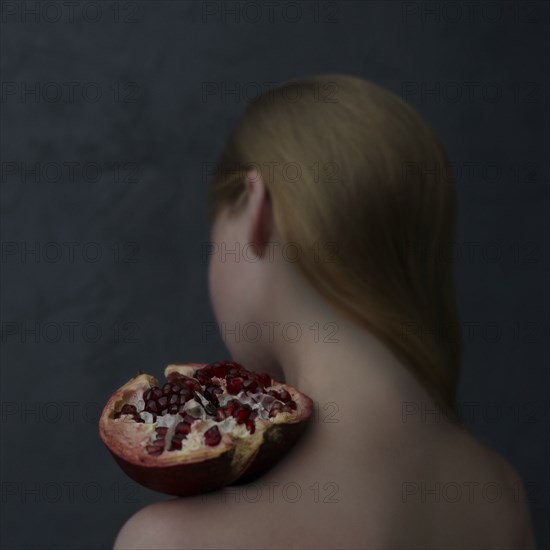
x=348 y=162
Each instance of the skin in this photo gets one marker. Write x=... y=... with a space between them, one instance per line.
x=367 y=464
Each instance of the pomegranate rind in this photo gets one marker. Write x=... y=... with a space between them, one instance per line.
x=183 y=479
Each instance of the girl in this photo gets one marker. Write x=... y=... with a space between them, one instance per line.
x=330 y=206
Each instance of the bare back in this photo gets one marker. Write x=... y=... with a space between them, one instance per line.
x=432 y=488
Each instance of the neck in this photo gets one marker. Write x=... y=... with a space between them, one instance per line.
x=335 y=361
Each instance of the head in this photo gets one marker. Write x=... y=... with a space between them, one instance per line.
x=342 y=168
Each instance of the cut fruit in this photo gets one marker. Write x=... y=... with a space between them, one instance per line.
x=206 y=427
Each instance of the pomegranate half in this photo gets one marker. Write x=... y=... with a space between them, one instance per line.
x=206 y=427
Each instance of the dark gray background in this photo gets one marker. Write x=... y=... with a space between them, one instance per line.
x=134 y=207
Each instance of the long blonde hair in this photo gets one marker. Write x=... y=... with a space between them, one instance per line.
x=348 y=162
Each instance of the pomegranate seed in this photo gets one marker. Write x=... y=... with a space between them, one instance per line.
x=162 y=402
x=176 y=444
x=167 y=388
x=234 y=371
x=287 y=409
x=161 y=430
x=219 y=369
x=183 y=428
x=191 y=383
x=159 y=441
x=128 y=409
x=275 y=409
x=212 y=436
x=231 y=407
x=174 y=399
x=242 y=416
x=189 y=419
x=234 y=385
x=138 y=418
x=263 y=379
x=176 y=388
x=153 y=450
x=251 y=425
x=292 y=405
x=151 y=407
x=156 y=392
x=253 y=415
x=182 y=400
x=173 y=409
x=250 y=385
x=284 y=396
x=179 y=437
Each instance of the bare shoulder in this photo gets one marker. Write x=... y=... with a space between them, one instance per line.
x=517 y=503
x=175 y=524
x=498 y=495
x=220 y=521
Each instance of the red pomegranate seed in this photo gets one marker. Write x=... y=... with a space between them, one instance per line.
x=176 y=388
x=292 y=405
x=263 y=379
x=250 y=385
x=183 y=428
x=176 y=444
x=152 y=450
x=212 y=436
x=128 y=409
x=138 y=418
x=162 y=402
x=151 y=407
x=234 y=385
x=189 y=419
x=218 y=369
x=231 y=407
x=242 y=415
x=251 y=425
x=275 y=409
x=190 y=383
x=179 y=437
x=173 y=409
x=161 y=430
x=284 y=395
x=167 y=388
x=156 y=392
x=174 y=399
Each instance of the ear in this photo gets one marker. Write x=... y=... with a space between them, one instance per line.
x=259 y=212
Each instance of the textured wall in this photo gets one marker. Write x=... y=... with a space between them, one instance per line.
x=110 y=111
